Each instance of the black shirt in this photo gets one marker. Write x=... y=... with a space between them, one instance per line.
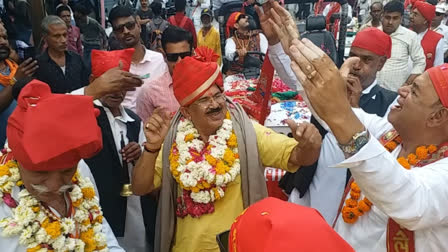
x=144 y=15
x=76 y=74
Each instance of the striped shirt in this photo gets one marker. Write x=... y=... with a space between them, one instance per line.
x=395 y=72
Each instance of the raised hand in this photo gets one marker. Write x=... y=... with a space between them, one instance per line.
x=306 y=134
x=156 y=128
x=283 y=24
x=26 y=69
x=325 y=88
x=112 y=81
x=264 y=16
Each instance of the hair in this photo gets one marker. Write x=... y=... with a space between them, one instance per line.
x=432 y=2
x=394 y=6
x=380 y=3
x=156 y=8
x=50 y=20
x=61 y=9
x=174 y=34
x=120 y=11
x=180 y=5
x=82 y=8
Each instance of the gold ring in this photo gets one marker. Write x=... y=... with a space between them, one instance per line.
x=312 y=74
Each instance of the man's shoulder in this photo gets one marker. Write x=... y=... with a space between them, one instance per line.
x=151 y=55
x=133 y=115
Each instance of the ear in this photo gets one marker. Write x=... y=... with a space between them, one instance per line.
x=184 y=111
x=438 y=119
x=383 y=60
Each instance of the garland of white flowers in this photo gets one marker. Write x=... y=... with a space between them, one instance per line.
x=36 y=229
x=203 y=177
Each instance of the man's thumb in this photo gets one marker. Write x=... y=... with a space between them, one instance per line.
x=292 y=125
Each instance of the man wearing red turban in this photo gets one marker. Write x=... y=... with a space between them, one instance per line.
x=210 y=166
x=372 y=47
x=44 y=195
x=240 y=40
x=421 y=17
x=122 y=132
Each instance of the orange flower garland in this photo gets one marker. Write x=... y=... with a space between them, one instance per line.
x=353 y=209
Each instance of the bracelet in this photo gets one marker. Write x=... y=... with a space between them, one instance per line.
x=149 y=150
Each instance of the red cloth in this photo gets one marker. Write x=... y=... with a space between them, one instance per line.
x=188 y=25
x=427 y=10
x=334 y=8
x=189 y=87
x=429 y=45
x=48 y=132
x=105 y=60
x=232 y=21
x=439 y=78
x=273 y=225
x=374 y=40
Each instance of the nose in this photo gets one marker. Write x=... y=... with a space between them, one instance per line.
x=126 y=30
x=404 y=91
x=54 y=182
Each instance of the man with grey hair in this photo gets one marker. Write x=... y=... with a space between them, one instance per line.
x=63 y=70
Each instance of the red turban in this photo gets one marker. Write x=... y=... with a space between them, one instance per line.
x=193 y=76
x=427 y=10
x=439 y=78
x=105 y=60
x=49 y=132
x=374 y=40
x=272 y=225
x=233 y=18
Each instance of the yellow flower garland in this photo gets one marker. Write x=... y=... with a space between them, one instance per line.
x=48 y=233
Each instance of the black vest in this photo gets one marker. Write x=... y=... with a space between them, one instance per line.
x=106 y=169
x=301 y=180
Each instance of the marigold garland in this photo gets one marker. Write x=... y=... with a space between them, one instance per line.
x=39 y=232
x=203 y=170
x=353 y=209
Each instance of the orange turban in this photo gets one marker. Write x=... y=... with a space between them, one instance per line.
x=272 y=225
x=193 y=76
x=233 y=18
x=105 y=60
x=49 y=132
x=439 y=78
x=427 y=10
x=374 y=40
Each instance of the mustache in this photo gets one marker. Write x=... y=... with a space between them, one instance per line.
x=40 y=189
x=214 y=110
x=4 y=47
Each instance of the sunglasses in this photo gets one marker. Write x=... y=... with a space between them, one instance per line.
x=129 y=25
x=173 y=57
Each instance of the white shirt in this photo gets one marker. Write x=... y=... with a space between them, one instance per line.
x=417 y=199
x=230 y=48
x=11 y=244
x=438 y=60
x=134 y=239
x=395 y=72
x=443 y=30
x=153 y=64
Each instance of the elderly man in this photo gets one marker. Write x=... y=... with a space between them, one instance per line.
x=432 y=42
x=397 y=199
x=405 y=46
x=62 y=69
x=376 y=13
x=211 y=164
x=49 y=204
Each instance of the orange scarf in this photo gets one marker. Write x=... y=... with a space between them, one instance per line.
x=9 y=80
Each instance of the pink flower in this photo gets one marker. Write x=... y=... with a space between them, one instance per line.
x=9 y=201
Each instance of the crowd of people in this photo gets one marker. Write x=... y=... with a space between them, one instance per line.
x=128 y=142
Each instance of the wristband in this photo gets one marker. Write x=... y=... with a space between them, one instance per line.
x=149 y=150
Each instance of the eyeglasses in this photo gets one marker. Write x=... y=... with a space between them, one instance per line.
x=129 y=25
x=173 y=57
x=208 y=100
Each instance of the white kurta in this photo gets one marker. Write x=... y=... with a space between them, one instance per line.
x=11 y=244
x=134 y=239
x=417 y=199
